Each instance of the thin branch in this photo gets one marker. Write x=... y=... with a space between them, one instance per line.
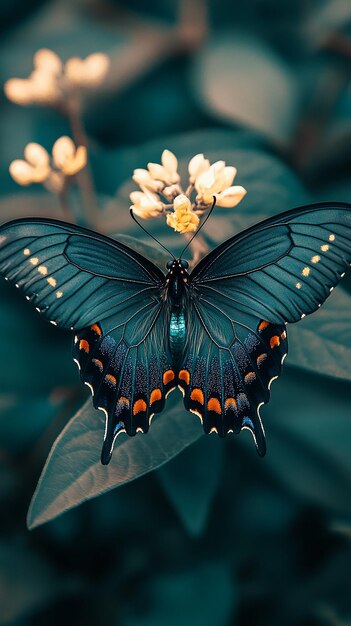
x=84 y=177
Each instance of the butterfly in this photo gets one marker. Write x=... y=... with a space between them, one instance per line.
x=219 y=332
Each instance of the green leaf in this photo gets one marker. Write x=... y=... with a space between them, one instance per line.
x=203 y=595
x=27 y=582
x=73 y=472
x=190 y=482
x=243 y=81
x=23 y=419
x=321 y=343
x=308 y=430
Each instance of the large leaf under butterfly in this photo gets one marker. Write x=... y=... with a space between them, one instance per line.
x=218 y=333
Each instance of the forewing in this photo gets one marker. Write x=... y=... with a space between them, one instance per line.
x=74 y=276
x=281 y=269
x=228 y=367
x=126 y=363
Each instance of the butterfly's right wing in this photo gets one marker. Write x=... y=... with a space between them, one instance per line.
x=127 y=365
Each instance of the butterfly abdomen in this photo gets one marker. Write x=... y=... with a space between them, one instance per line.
x=177 y=332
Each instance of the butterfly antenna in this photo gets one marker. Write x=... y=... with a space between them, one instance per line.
x=201 y=225
x=150 y=235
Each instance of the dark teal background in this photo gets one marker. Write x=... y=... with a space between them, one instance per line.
x=216 y=536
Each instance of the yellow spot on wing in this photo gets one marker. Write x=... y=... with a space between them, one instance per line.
x=26 y=251
x=59 y=294
x=42 y=269
x=316 y=258
x=52 y=281
x=331 y=237
x=306 y=271
x=325 y=248
x=34 y=260
x=298 y=285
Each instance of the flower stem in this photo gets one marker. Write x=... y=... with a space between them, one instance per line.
x=84 y=177
x=198 y=247
x=63 y=199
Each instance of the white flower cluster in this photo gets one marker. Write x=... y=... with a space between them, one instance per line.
x=37 y=167
x=182 y=213
x=52 y=80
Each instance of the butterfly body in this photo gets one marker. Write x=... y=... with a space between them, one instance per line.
x=217 y=332
x=177 y=295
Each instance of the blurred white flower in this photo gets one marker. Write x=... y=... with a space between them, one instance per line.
x=48 y=62
x=146 y=204
x=34 y=169
x=88 y=72
x=51 y=81
x=214 y=181
x=67 y=158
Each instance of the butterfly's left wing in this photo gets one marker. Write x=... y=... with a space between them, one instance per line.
x=283 y=268
x=229 y=363
x=241 y=296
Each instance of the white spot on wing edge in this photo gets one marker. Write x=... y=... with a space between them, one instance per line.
x=272 y=380
x=2 y=239
x=77 y=363
x=90 y=387
x=197 y=413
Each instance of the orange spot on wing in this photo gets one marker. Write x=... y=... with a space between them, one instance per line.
x=111 y=379
x=263 y=325
x=283 y=335
x=250 y=377
x=168 y=376
x=275 y=341
x=84 y=345
x=96 y=329
x=155 y=395
x=261 y=358
x=98 y=364
x=184 y=375
x=139 y=406
x=214 y=405
x=197 y=395
x=230 y=404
